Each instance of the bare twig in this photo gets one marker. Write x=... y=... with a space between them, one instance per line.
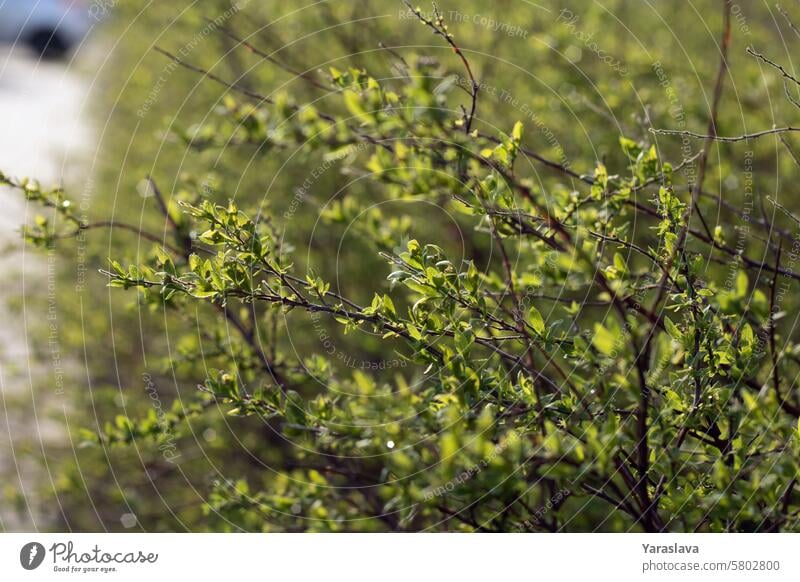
x=217 y=79
x=773 y=64
x=714 y=137
x=440 y=28
x=304 y=75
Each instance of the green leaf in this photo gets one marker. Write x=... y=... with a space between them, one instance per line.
x=672 y=329
x=741 y=284
x=619 y=263
x=352 y=101
x=536 y=321
x=747 y=336
x=516 y=133
x=295 y=410
x=604 y=339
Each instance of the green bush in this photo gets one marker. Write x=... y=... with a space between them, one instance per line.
x=474 y=332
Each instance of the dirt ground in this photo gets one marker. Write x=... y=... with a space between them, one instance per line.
x=42 y=135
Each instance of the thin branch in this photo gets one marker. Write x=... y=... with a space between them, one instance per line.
x=440 y=29
x=304 y=75
x=618 y=241
x=541 y=159
x=229 y=85
x=714 y=137
x=788 y=20
x=785 y=210
x=111 y=224
x=774 y=65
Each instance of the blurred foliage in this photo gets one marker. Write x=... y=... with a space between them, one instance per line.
x=328 y=337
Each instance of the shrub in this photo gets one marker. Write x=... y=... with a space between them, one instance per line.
x=568 y=357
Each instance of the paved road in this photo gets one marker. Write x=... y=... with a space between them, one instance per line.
x=42 y=135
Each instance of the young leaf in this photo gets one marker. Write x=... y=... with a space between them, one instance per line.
x=536 y=321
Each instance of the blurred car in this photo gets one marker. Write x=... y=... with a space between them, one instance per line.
x=50 y=27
